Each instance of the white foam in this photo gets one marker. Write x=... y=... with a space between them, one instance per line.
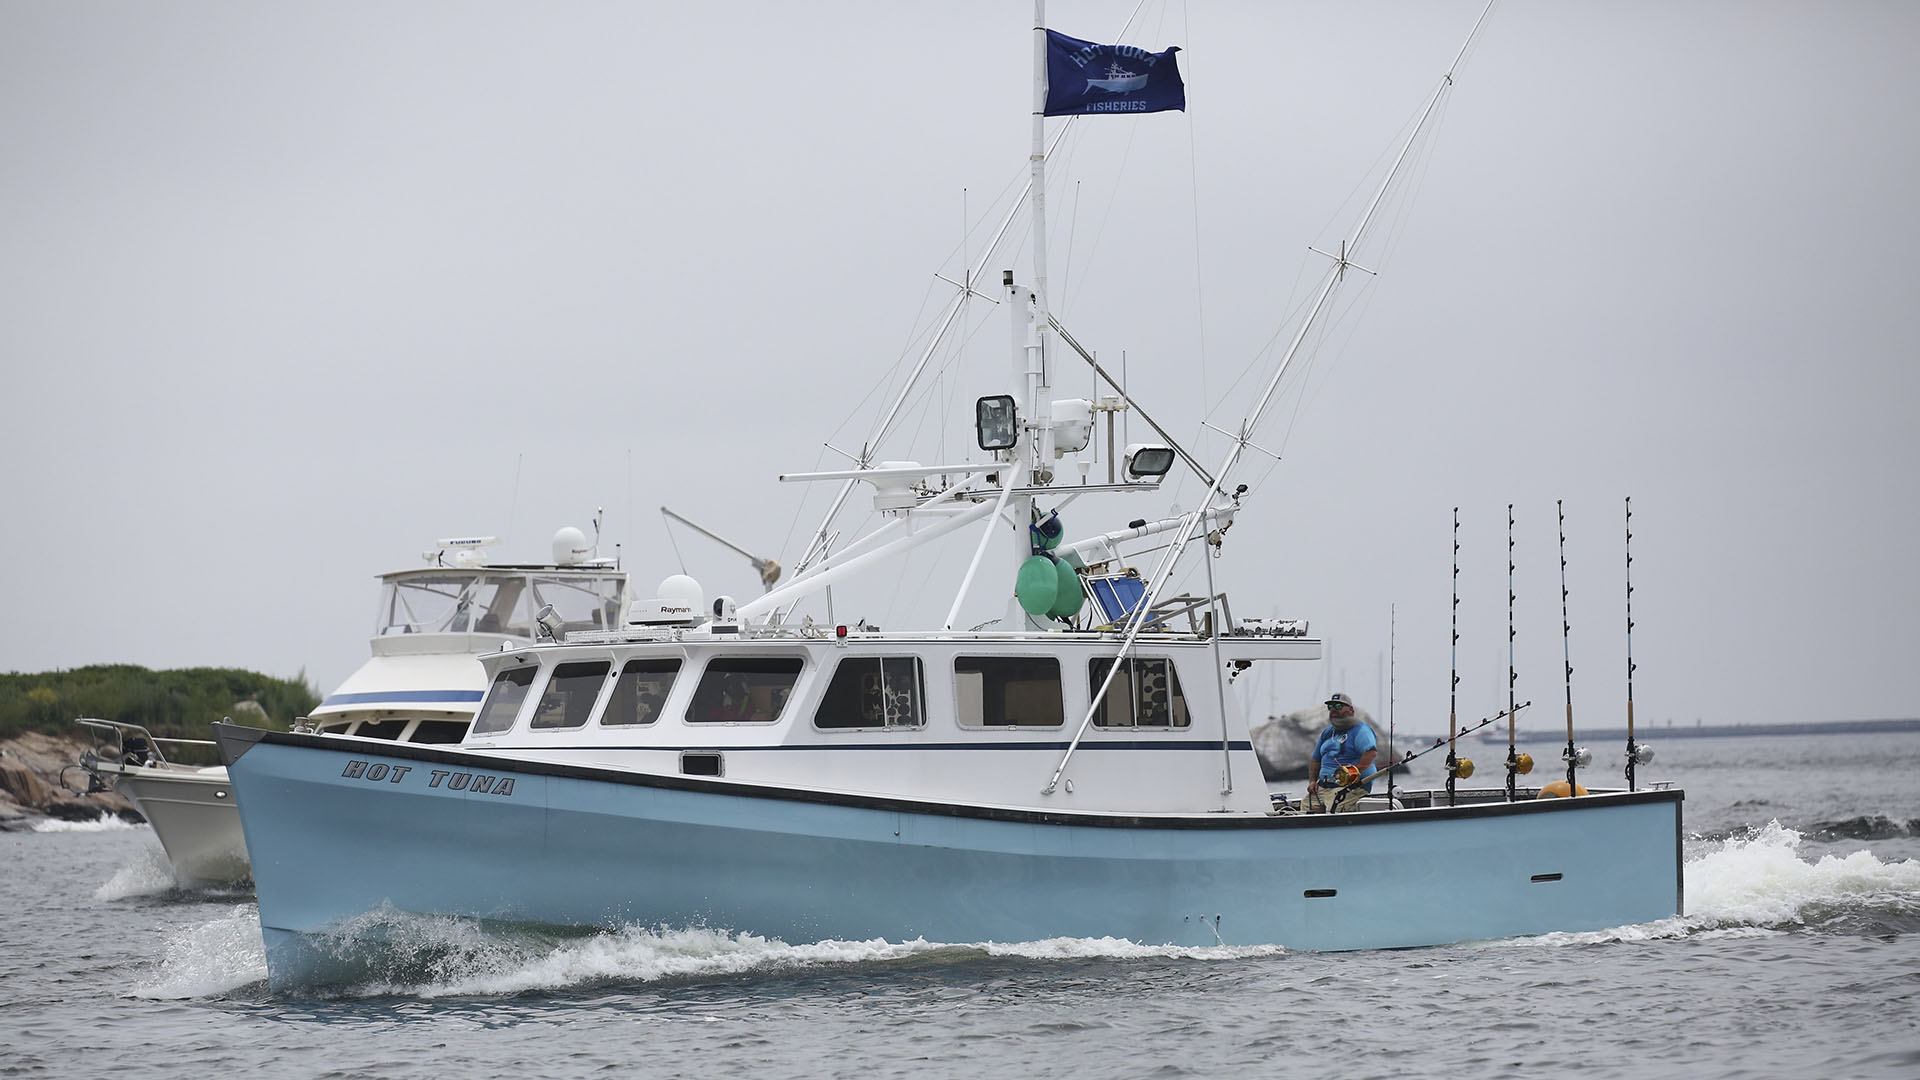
x=1758 y=885
x=147 y=873
x=107 y=823
x=1763 y=881
x=210 y=959
x=495 y=966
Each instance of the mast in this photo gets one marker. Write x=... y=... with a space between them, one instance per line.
x=1336 y=274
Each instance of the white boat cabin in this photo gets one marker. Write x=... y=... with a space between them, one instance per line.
x=981 y=718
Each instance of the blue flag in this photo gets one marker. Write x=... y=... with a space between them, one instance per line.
x=1085 y=79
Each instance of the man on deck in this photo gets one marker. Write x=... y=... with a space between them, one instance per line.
x=1341 y=772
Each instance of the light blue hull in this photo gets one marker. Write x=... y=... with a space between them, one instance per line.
x=594 y=848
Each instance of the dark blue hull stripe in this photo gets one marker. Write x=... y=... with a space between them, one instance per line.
x=405 y=695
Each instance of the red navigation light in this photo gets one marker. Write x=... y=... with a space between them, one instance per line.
x=840 y=631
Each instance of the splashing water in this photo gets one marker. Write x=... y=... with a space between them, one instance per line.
x=105 y=823
x=145 y=874
x=1756 y=883
x=211 y=959
x=1761 y=880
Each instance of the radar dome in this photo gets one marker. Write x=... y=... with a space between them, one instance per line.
x=682 y=587
x=570 y=547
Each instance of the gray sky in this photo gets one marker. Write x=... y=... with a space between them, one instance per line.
x=289 y=291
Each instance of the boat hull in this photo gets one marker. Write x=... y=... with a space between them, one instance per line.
x=192 y=813
x=337 y=832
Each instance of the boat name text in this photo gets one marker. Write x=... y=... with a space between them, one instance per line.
x=475 y=783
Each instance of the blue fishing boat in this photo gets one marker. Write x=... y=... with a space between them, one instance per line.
x=1076 y=767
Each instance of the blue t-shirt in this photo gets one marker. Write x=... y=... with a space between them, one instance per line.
x=1337 y=748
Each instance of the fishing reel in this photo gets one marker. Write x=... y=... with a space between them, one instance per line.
x=1462 y=768
x=1521 y=763
x=1347 y=775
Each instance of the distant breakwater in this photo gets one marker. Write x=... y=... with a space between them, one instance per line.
x=1717 y=731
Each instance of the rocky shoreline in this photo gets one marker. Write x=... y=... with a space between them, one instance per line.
x=32 y=789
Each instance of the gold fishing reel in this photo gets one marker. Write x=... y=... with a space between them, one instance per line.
x=1463 y=767
x=1347 y=775
x=1523 y=764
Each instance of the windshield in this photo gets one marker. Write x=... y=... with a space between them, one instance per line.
x=426 y=605
x=583 y=603
x=495 y=603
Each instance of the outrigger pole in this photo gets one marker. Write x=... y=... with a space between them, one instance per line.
x=1335 y=275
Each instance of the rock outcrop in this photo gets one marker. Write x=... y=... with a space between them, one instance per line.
x=31 y=786
x=1284 y=744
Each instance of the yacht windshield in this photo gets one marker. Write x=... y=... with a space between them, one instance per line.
x=493 y=602
x=429 y=604
x=583 y=603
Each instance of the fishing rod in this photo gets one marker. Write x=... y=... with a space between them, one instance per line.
x=1566 y=650
x=1514 y=764
x=1393 y=619
x=1465 y=765
x=1636 y=754
x=1453 y=692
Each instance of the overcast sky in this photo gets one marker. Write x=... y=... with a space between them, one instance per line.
x=288 y=291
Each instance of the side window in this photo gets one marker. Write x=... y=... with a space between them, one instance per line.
x=640 y=691
x=1145 y=693
x=1008 y=691
x=503 y=702
x=744 y=689
x=873 y=692
x=570 y=694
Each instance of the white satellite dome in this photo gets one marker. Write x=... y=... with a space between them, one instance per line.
x=570 y=547
x=682 y=587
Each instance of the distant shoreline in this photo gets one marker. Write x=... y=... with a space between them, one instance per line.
x=1710 y=731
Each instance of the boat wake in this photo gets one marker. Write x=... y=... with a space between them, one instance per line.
x=104 y=823
x=148 y=874
x=439 y=957
x=1756 y=882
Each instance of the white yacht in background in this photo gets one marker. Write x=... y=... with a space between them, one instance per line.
x=422 y=684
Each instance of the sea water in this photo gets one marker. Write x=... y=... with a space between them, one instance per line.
x=1798 y=955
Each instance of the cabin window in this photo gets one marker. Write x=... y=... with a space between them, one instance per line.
x=384 y=728
x=639 y=692
x=439 y=731
x=744 y=689
x=873 y=692
x=570 y=694
x=1008 y=691
x=1146 y=693
x=504 y=699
